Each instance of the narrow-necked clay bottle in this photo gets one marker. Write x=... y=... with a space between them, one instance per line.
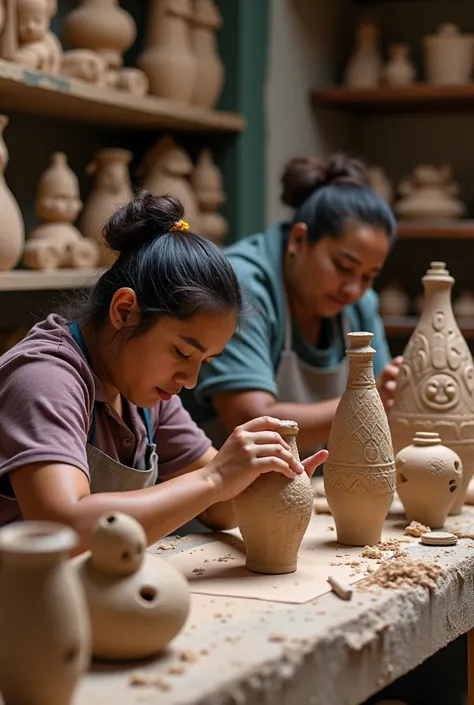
x=273 y=514
x=364 y=69
x=209 y=66
x=45 y=635
x=359 y=474
x=137 y=602
x=435 y=386
x=12 y=229
x=428 y=478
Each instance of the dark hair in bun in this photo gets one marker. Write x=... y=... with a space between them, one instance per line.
x=328 y=195
x=173 y=273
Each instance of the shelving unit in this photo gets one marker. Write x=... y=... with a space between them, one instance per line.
x=459 y=230
x=57 y=280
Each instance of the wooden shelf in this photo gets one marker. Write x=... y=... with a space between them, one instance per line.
x=403 y=326
x=455 y=230
x=36 y=93
x=419 y=97
x=29 y=280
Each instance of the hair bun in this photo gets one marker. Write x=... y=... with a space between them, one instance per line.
x=142 y=220
x=303 y=175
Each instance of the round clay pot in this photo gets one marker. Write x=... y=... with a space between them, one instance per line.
x=448 y=56
x=429 y=477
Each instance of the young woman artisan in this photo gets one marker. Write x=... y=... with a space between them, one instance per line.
x=90 y=416
x=311 y=281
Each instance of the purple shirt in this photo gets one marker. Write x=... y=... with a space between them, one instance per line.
x=47 y=394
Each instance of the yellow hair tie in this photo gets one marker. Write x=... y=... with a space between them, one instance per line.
x=179 y=225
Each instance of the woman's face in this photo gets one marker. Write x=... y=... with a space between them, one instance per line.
x=336 y=271
x=157 y=364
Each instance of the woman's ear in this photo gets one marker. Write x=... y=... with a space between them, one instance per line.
x=123 y=309
x=298 y=238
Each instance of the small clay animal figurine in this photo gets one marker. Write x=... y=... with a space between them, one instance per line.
x=137 y=602
x=273 y=514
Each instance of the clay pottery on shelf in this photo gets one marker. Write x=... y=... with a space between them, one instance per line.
x=12 y=229
x=111 y=189
x=84 y=65
x=210 y=70
x=364 y=69
x=166 y=168
x=448 y=56
x=207 y=182
x=380 y=183
x=399 y=70
x=101 y=25
x=9 y=30
x=394 y=301
x=137 y=602
x=430 y=194
x=359 y=474
x=428 y=478
x=273 y=514
x=463 y=307
x=38 y=47
x=45 y=644
x=435 y=385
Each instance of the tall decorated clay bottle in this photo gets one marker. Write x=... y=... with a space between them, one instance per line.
x=359 y=474
x=435 y=389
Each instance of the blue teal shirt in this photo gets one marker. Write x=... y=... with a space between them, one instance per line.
x=251 y=357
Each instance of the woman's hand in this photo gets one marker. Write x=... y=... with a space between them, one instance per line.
x=387 y=381
x=254 y=448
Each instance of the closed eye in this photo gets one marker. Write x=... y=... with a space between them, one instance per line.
x=181 y=355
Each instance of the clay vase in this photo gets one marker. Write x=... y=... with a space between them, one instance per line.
x=210 y=70
x=399 y=70
x=45 y=645
x=364 y=69
x=273 y=514
x=429 y=194
x=101 y=25
x=394 y=301
x=111 y=189
x=168 y=59
x=448 y=56
x=137 y=602
x=207 y=182
x=12 y=229
x=435 y=386
x=359 y=474
x=428 y=478
x=166 y=168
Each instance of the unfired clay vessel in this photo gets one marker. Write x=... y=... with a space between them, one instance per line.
x=399 y=70
x=56 y=242
x=428 y=479
x=448 y=56
x=359 y=474
x=137 y=602
x=207 y=182
x=394 y=301
x=12 y=229
x=364 y=69
x=168 y=59
x=210 y=68
x=45 y=644
x=166 y=168
x=380 y=183
x=111 y=189
x=273 y=514
x=435 y=385
x=84 y=65
x=39 y=48
x=430 y=194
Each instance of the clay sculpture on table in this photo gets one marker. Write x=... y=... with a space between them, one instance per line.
x=435 y=386
x=273 y=514
x=12 y=229
x=137 y=602
x=359 y=474
x=45 y=644
x=428 y=479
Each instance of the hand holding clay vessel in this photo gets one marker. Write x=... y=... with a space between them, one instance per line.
x=435 y=385
x=359 y=474
x=137 y=602
x=273 y=514
x=45 y=644
x=449 y=56
x=364 y=69
x=430 y=194
x=399 y=71
x=12 y=229
x=210 y=68
x=207 y=182
x=428 y=478
x=38 y=48
x=394 y=301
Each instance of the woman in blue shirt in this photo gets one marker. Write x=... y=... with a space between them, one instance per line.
x=310 y=282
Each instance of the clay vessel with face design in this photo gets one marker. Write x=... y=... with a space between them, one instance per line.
x=435 y=387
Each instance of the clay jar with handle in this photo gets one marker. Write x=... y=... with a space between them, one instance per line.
x=359 y=474
x=137 y=602
x=273 y=514
x=435 y=385
x=428 y=477
x=448 y=56
x=12 y=229
x=45 y=635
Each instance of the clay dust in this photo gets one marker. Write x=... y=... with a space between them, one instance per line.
x=403 y=572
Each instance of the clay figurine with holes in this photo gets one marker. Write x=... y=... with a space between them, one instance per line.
x=137 y=602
